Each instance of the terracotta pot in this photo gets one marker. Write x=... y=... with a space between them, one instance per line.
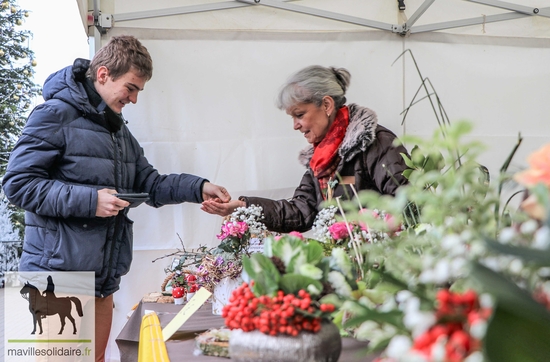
x=255 y=346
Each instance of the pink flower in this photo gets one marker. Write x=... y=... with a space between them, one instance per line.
x=296 y=234
x=237 y=228
x=338 y=230
x=539 y=171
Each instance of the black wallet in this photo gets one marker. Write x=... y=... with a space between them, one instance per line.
x=134 y=199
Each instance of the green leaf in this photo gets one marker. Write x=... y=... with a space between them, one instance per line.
x=535 y=256
x=286 y=249
x=509 y=295
x=314 y=252
x=268 y=247
x=407 y=161
x=292 y=283
x=512 y=338
x=298 y=259
x=331 y=299
x=265 y=284
x=264 y=273
x=249 y=268
x=363 y=313
x=520 y=327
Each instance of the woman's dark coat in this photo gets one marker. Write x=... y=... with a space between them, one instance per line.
x=367 y=152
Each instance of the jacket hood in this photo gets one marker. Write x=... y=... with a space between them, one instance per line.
x=360 y=134
x=66 y=85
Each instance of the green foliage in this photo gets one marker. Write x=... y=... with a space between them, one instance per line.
x=17 y=88
x=291 y=264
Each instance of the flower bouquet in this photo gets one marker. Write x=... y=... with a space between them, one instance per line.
x=221 y=271
x=283 y=303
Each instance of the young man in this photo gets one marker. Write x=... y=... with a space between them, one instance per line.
x=74 y=155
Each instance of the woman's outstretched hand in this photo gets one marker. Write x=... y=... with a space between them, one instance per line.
x=217 y=207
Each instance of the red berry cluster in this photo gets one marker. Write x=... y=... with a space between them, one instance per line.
x=455 y=314
x=281 y=314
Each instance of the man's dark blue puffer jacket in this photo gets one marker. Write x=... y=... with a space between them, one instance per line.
x=65 y=154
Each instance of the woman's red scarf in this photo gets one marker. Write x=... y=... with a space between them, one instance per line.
x=325 y=158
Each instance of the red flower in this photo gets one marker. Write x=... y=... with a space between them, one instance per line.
x=338 y=231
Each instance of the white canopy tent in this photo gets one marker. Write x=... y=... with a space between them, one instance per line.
x=209 y=109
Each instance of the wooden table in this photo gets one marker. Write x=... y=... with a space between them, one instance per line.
x=181 y=346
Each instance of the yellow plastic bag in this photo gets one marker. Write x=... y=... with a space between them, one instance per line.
x=151 y=344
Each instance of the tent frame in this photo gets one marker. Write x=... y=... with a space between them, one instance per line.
x=104 y=22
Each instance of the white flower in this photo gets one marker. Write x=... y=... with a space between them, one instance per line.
x=542 y=238
x=442 y=271
x=252 y=216
x=323 y=220
x=516 y=266
x=438 y=349
x=528 y=227
x=477 y=356
x=544 y=272
x=478 y=329
x=403 y=295
x=486 y=301
x=427 y=276
x=457 y=266
x=450 y=241
x=399 y=345
x=506 y=235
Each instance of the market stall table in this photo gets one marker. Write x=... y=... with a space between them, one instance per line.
x=181 y=346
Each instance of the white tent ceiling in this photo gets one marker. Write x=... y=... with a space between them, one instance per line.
x=464 y=16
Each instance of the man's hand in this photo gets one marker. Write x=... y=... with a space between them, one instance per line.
x=223 y=209
x=109 y=205
x=215 y=192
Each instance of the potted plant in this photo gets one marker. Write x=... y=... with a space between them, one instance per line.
x=280 y=313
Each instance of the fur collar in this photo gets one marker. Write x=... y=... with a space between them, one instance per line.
x=360 y=134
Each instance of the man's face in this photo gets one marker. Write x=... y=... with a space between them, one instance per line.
x=117 y=93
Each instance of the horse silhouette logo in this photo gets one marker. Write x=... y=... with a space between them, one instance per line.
x=47 y=303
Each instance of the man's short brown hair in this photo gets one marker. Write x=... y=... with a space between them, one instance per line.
x=121 y=54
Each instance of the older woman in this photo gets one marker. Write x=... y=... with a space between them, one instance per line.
x=347 y=146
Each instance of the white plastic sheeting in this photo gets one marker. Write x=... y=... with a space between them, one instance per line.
x=209 y=109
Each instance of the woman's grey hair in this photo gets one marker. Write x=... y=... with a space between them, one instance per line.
x=312 y=83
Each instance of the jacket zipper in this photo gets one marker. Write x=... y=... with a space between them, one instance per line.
x=115 y=231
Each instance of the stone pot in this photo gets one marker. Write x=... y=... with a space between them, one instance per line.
x=255 y=346
x=222 y=292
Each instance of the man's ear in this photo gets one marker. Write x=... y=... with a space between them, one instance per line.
x=102 y=74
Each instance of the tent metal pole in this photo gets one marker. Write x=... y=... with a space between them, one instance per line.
x=508 y=6
x=325 y=14
x=418 y=13
x=178 y=10
x=466 y=22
